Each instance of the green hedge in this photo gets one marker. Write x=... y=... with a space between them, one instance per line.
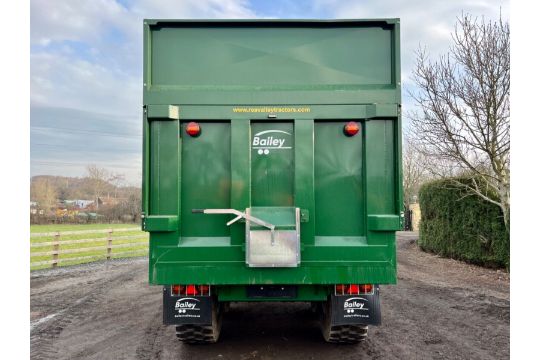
x=465 y=228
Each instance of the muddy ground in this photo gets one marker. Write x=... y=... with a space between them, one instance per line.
x=440 y=309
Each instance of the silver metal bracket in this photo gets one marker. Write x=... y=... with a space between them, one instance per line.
x=274 y=248
x=239 y=215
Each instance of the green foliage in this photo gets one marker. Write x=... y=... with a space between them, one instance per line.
x=462 y=226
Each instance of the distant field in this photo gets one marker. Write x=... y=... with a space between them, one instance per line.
x=92 y=254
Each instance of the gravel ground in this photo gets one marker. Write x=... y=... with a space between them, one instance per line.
x=440 y=309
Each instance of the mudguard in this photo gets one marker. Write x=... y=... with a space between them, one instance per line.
x=185 y=309
x=356 y=309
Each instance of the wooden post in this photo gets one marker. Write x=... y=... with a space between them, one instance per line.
x=109 y=244
x=56 y=249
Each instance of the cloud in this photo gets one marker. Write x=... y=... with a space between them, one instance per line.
x=63 y=81
x=83 y=20
x=89 y=20
x=86 y=79
x=194 y=9
x=64 y=141
x=88 y=53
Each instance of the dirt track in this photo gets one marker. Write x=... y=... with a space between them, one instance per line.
x=441 y=309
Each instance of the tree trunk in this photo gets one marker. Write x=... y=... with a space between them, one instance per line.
x=504 y=195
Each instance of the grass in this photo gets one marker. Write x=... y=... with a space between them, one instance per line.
x=101 y=240
x=77 y=227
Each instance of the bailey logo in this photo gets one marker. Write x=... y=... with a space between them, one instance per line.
x=185 y=304
x=267 y=140
x=356 y=303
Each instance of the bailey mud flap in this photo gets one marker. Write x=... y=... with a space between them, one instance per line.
x=186 y=309
x=356 y=309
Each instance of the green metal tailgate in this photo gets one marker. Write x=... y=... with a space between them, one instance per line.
x=271 y=98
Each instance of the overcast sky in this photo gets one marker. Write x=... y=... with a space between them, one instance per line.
x=86 y=65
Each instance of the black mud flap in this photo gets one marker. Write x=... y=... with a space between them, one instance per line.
x=184 y=310
x=356 y=309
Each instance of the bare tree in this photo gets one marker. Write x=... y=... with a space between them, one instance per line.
x=414 y=171
x=464 y=118
x=44 y=193
x=117 y=179
x=98 y=181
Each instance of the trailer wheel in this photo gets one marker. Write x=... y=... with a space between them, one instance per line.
x=202 y=334
x=340 y=334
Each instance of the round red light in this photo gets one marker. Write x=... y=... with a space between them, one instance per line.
x=193 y=129
x=351 y=128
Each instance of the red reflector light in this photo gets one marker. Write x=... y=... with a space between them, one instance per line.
x=366 y=288
x=205 y=289
x=351 y=128
x=191 y=290
x=178 y=289
x=354 y=289
x=193 y=129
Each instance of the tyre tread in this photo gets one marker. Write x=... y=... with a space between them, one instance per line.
x=196 y=334
x=347 y=334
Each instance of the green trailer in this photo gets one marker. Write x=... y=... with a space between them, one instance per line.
x=272 y=168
